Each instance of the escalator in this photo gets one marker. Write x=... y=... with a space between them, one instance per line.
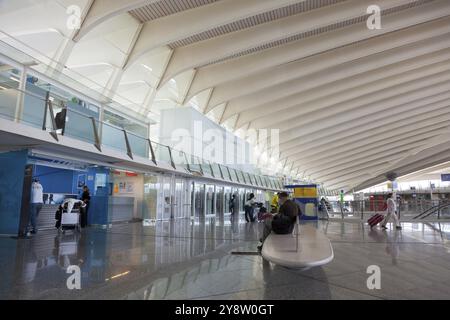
x=441 y=210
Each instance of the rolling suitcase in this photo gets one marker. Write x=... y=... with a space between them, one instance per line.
x=375 y=219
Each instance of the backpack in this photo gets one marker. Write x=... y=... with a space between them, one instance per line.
x=282 y=224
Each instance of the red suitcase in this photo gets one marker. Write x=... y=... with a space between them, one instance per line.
x=375 y=219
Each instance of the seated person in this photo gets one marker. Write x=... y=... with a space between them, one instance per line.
x=284 y=221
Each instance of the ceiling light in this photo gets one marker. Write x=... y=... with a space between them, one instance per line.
x=147 y=67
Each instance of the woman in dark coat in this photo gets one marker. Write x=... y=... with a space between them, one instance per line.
x=86 y=198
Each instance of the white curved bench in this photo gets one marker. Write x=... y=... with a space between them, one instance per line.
x=310 y=249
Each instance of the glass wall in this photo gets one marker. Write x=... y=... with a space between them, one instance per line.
x=126 y=124
x=74 y=117
x=74 y=112
x=242 y=199
x=216 y=171
x=151 y=187
x=9 y=85
x=199 y=198
x=219 y=200
x=162 y=153
x=139 y=145
x=180 y=159
x=114 y=137
x=227 y=197
x=210 y=199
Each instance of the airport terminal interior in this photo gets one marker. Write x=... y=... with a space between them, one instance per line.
x=225 y=149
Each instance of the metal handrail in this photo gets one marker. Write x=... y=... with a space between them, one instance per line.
x=437 y=209
x=426 y=211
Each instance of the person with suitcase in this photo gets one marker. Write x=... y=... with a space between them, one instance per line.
x=391 y=212
x=375 y=219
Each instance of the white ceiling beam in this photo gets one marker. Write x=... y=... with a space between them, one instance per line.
x=350 y=77
x=428 y=157
x=102 y=10
x=361 y=107
x=424 y=159
x=355 y=163
x=338 y=136
x=213 y=75
x=201 y=53
x=166 y=30
x=260 y=115
x=378 y=146
x=365 y=166
x=346 y=142
x=358 y=96
x=438 y=116
x=331 y=155
x=386 y=51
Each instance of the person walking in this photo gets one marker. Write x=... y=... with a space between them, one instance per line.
x=391 y=212
x=37 y=201
x=233 y=203
x=249 y=206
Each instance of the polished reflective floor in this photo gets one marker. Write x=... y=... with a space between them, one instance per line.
x=193 y=260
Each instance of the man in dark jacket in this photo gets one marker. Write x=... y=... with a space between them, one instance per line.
x=86 y=198
x=284 y=221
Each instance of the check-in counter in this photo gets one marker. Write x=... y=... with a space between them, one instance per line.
x=121 y=208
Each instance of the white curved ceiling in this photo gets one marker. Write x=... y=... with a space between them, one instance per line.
x=351 y=104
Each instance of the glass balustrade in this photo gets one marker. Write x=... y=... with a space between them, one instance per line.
x=162 y=153
x=225 y=172
x=9 y=94
x=113 y=137
x=180 y=159
x=80 y=126
x=216 y=170
x=195 y=164
x=207 y=168
x=139 y=145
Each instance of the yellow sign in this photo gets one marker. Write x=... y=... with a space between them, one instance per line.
x=305 y=192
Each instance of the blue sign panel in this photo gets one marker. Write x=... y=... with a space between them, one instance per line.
x=445 y=177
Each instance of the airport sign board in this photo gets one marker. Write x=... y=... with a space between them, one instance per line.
x=445 y=177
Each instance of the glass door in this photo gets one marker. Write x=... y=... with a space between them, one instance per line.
x=227 y=197
x=167 y=193
x=178 y=199
x=187 y=199
x=219 y=202
x=199 y=200
x=210 y=200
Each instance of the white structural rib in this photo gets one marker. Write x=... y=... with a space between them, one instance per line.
x=179 y=26
x=215 y=74
x=102 y=10
x=200 y=54
x=328 y=82
x=350 y=103
x=294 y=70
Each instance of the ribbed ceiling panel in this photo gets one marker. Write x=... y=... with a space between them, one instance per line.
x=165 y=8
x=265 y=17
x=319 y=31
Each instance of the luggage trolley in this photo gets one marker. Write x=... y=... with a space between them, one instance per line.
x=70 y=221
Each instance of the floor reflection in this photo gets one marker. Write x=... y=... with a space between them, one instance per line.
x=190 y=259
